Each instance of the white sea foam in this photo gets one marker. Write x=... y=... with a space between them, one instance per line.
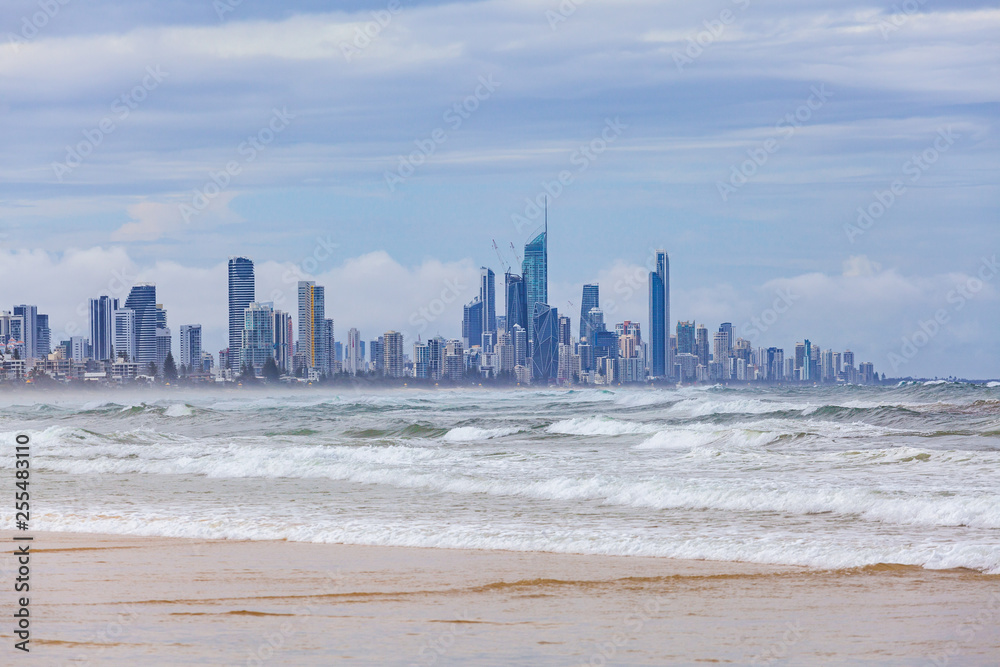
x=178 y=410
x=815 y=551
x=474 y=433
x=600 y=426
x=993 y=384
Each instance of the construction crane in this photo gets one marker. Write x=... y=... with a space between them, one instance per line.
x=503 y=262
x=514 y=250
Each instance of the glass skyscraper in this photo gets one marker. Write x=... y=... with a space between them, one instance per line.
x=241 y=295
x=487 y=294
x=591 y=299
x=660 y=358
x=472 y=323
x=535 y=271
x=102 y=327
x=517 y=302
x=142 y=301
x=545 y=354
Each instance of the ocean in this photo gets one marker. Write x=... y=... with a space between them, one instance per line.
x=825 y=477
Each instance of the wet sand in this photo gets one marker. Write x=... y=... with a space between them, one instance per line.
x=112 y=600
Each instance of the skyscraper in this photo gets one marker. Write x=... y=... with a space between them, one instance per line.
x=591 y=299
x=102 y=327
x=487 y=294
x=686 y=338
x=283 y=346
x=472 y=323
x=353 y=357
x=142 y=300
x=191 y=347
x=313 y=336
x=545 y=353
x=565 y=330
x=257 y=342
x=701 y=345
x=29 y=329
x=535 y=272
x=124 y=341
x=517 y=302
x=661 y=363
x=393 y=341
x=241 y=294
x=43 y=337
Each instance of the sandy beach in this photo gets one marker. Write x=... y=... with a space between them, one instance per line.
x=112 y=600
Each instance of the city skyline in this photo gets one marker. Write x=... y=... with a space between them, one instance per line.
x=840 y=186
x=544 y=352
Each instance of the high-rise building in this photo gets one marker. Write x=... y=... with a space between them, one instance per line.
x=472 y=323
x=421 y=360
x=807 y=361
x=702 y=348
x=43 y=336
x=283 y=346
x=591 y=299
x=535 y=270
x=517 y=302
x=661 y=363
x=29 y=329
x=124 y=327
x=354 y=357
x=545 y=353
x=163 y=338
x=393 y=354
x=376 y=351
x=241 y=293
x=142 y=300
x=314 y=338
x=565 y=330
x=191 y=347
x=487 y=294
x=102 y=327
x=257 y=342
x=686 y=339
x=454 y=360
x=727 y=329
x=519 y=337
x=435 y=357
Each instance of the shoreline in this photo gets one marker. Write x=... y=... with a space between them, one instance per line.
x=111 y=599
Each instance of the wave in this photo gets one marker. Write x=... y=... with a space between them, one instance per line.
x=599 y=426
x=815 y=551
x=475 y=434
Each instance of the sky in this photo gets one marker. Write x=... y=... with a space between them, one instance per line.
x=815 y=169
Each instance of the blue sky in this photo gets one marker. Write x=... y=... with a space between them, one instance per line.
x=907 y=93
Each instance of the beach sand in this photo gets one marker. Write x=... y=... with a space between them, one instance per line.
x=113 y=600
